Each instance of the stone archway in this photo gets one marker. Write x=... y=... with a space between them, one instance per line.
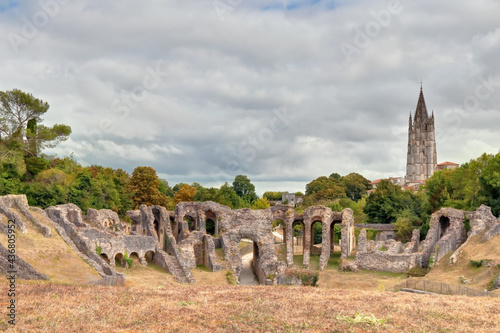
x=335 y=235
x=149 y=256
x=135 y=257
x=314 y=239
x=191 y=222
x=211 y=223
x=157 y=224
x=444 y=224
x=119 y=258
x=298 y=232
x=104 y=256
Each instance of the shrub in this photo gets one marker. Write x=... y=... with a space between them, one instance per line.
x=477 y=263
x=230 y=277
x=431 y=261
x=467 y=224
x=492 y=284
x=98 y=249
x=128 y=260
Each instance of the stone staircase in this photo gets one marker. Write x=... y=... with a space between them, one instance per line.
x=173 y=266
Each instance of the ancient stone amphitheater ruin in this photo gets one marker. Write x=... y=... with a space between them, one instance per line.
x=179 y=240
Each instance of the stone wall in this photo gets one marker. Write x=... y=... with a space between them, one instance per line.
x=480 y=220
x=385 y=235
x=255 y=225
x=387 y=256
x=446 y=233
x=20 y=203
x=75 y=232
x=387 y=261
x=105 y=218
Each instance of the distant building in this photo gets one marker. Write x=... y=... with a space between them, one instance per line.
x=395 y=180
x=422 y=156
x=447 y=165
x=414 y=186
x=291 y=199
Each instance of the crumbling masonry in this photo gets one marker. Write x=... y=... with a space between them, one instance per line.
x=447 y=233
x=180 y=240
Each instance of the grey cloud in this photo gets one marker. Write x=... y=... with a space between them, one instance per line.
x=220 y=82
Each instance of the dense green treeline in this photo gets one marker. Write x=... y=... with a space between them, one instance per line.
x=57 y=181
x=468 y=186
x=48 y=181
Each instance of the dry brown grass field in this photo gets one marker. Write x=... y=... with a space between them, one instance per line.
x=47 y=307
x=478 y=277
x=151 y=301
x=51 y=256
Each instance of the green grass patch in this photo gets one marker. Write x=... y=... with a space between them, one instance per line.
x=333 y=262
x=203 y=268
x=220 y=254
x=231 y=279
x=390 y=274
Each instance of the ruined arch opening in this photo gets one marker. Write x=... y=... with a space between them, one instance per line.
x=104 y=256
x=173 y=226
x=316 y=237
x=279 y=229
x=444 y=224
x=191 y=222
x=135 y=257
x=298 y=237
x=119 y=258
x=149 y=256
x=156 y=223
x=211 y=223
x=316 y=232
x=335 y=235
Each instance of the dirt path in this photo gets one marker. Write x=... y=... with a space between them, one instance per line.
x=247 y=276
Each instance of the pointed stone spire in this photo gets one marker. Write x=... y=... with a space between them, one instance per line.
x=421 y=114
x=410 y=127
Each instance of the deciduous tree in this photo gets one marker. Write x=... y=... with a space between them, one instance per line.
x=145 y=187
x=185 y=193
x=244 y=188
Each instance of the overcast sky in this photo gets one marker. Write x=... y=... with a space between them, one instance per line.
x=282 y=91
